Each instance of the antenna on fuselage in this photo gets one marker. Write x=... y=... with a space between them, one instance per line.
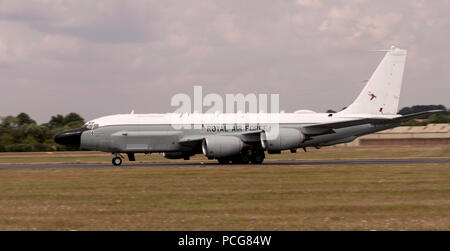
x=384 y=50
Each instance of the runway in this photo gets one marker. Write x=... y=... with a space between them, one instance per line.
x=266 y=163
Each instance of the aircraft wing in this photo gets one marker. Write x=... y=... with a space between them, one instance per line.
x=317 y=129
x=197 y=139
x=328 y=127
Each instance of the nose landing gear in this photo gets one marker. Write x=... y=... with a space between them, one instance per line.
x=117 y=160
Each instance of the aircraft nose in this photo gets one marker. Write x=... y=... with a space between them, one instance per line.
x=69 y=137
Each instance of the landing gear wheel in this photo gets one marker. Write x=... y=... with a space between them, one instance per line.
x=258 y=157
x=245 y=159
x=242 y=158
x=117 y=161
x=224 y=160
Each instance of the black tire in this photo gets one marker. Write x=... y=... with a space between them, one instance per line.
x=224 y=161
x=117 y=161
x=258 y=157
x=236 y=160
x=244 y=158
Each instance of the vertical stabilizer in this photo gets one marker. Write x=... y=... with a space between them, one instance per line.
x=382 y=92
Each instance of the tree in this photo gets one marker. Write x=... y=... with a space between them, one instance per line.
x=71 y=120
x=23 y=119
x=72 y=117
x=56 y=121
x=39 y=133
x=422 y=108
x=9 y=121
x=438 y=119
x=21 y=133
x=433 y=119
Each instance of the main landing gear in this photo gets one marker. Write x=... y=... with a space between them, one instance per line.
x=245 y=157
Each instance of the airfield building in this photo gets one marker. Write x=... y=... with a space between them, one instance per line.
x=432 y=134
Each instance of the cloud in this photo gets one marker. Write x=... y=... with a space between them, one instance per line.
x=380 y=26
x=111 y=56
x=309 y=3
x=100 y=21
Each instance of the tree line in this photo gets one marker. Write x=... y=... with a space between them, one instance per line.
x=440 y=118
x=22 y=134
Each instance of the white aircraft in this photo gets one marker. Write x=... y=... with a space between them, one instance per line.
x=239 y=139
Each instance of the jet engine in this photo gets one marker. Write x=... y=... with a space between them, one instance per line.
x=221 y=146
x=281 y=139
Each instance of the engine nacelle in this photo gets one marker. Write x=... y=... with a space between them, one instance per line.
x=287 y=138
x=221 y=146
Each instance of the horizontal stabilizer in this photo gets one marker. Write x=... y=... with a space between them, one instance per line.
x=342 y=124
x=327 y=127
x=416 y=116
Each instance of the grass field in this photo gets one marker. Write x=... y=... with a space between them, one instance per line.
x=234 y=197
x=324 y=153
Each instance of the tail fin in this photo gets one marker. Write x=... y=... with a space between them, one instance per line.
x=382 y=92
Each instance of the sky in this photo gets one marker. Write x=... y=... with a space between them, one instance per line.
x=107 y=57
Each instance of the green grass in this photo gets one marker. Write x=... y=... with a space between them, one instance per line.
x=324 y=153
x=358 y=197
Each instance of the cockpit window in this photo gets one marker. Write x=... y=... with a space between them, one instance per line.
x=90 y=125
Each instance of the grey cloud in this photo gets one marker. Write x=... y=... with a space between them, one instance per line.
x=107 y=57
x=102 y=21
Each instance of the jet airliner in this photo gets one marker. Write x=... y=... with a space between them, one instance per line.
x=374 y=110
